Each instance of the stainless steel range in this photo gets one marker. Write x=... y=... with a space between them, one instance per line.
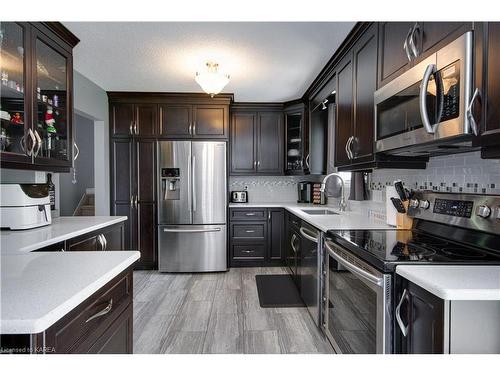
x=359 y=265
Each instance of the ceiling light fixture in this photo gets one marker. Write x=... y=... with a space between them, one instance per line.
x=212 y=81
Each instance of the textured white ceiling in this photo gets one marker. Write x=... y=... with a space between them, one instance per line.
x=267 y=61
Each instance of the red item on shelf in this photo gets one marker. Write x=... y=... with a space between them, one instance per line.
x=17 y=119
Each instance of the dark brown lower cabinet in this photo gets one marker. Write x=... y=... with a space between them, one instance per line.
x=108 y=238
x=423 y=315
x=86 y=329
x=256 y=236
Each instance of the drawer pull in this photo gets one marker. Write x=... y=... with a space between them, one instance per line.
x=249 y=231
x=104 y=311
x=250 y=214
x=247 y=251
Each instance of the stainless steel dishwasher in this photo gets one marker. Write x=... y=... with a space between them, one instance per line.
x=309 y=269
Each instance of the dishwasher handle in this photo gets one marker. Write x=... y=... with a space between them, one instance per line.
x=310 y=236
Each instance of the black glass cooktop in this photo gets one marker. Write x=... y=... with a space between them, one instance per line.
x=387 y=248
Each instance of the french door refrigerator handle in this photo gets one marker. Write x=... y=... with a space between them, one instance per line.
x=355 y=269
x=429 y=71
x=193 y=172
x=174 y=230
x=402 y=326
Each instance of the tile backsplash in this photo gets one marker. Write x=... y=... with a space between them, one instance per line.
x=270 y=188
x=466 y=173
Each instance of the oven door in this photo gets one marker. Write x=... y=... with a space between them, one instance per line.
x=428 y=104
x=357 y=304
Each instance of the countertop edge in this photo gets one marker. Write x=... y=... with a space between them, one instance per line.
x=308 y=218
x=51 y=241
x=39 y=325
x=457 y=294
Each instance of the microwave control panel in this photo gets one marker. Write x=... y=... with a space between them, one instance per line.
x=450 y=97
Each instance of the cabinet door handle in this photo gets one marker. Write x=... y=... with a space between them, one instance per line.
x=38 y=143
x=136 y=131
x=470 y=116
x=33 y=142
x=351 y=147
x=248 y=251
x=254 y=164
x=136 y=202
x=99 y=239
x=412 y=43
x=104 y=311
x=249 y=231
x=105 y=241
x=132 y=201
x=250 y=214
x=131 y=128
x=269 y=216
x=405 y=44
x=307 y=161
x=402 y=326
x=348 y=148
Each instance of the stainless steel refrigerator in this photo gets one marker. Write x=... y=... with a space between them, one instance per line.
x=192 y=206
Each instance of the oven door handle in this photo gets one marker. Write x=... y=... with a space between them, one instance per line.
x=355 y=269
x=429 y=71
x=402 y=326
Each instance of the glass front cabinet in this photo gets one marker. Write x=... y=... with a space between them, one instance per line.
x=36 y=95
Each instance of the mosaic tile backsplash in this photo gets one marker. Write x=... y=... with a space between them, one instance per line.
x=269 y=188
x=466 y=173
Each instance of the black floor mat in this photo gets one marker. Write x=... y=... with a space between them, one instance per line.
x=277 y=291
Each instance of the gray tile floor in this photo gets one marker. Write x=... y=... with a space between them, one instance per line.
x=217 y=313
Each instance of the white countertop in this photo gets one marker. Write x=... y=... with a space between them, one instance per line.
x=61 y=229
x=473 y=283
x=344 y=220
x=37 y=289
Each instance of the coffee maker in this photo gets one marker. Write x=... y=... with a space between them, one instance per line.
x=304 y=190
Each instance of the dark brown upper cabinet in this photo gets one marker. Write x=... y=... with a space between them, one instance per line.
x=345 y=107
x=194 y=121
x=486 y=111
x=356 y=83
x=394 y=53
x=257 y=140
x=296 y=140
x=137 y=120
x=36 y=96
x=404 y=44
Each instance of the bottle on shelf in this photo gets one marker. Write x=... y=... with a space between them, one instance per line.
x=52 y=192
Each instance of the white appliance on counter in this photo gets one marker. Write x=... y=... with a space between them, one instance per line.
x=24 y=206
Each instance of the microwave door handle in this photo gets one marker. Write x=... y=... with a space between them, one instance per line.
x=429 y=71
x=470 y=115
x=355 y=269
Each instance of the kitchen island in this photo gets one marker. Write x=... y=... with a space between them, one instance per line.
x=67 y=302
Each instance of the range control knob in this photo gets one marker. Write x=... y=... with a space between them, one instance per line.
x=483 y=211
x=414 y=203
x=424 y=204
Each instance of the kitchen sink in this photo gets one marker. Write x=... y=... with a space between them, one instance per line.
x=320 y=212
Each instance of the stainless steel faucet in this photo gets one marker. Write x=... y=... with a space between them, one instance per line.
x=343 y=203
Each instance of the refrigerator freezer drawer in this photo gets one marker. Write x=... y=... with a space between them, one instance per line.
x=192 y=248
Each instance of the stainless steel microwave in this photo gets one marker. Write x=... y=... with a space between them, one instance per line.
x=427 y=110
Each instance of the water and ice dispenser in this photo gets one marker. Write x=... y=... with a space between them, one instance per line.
x=170 y=180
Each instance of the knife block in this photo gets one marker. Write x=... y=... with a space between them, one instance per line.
x=403 y=221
